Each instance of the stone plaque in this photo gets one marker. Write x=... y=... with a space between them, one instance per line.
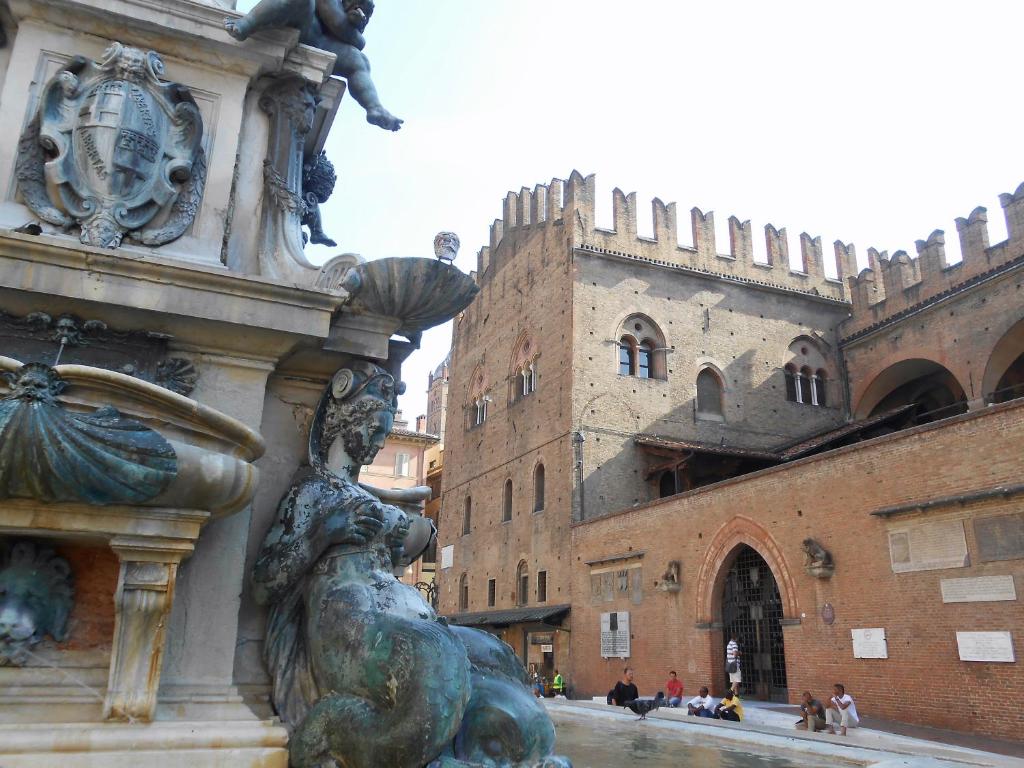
x=985 y=646
x=869 y=643
x=447 y=556
x=547 y=649
x=978 y=589
x=1000 y=538
x=928 y=546
x=615 y=635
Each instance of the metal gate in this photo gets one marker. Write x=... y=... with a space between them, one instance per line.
x=752 y=611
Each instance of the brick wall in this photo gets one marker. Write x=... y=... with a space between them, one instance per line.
x=829 y=498
x=524 y=289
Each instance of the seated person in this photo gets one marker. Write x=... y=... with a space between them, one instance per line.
x=841 y=710
x=674 y=686
x=624 y=691
x=701 y=706
x=812 y=714
x=729 y=708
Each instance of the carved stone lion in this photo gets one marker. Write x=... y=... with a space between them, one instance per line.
x=36 y=596
x=818 y=560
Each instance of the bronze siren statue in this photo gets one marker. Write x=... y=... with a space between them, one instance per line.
x=332 y=25
x=365 y=673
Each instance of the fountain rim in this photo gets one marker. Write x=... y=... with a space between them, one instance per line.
x=250 y=443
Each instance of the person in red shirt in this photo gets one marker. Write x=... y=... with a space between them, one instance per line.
x=674 y=686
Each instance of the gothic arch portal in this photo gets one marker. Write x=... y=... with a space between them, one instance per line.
x=719 y=557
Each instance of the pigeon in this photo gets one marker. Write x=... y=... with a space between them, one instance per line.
x=643 y=706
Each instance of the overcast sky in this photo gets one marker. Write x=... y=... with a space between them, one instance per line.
x=871 y=122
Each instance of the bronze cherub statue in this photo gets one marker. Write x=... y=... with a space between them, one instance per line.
x=332 y=25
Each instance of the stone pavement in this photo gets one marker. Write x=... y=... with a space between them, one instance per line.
x=769 y=728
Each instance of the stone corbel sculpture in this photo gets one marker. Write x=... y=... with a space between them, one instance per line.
x=818 y=561
x=36 y=595
x=670 y=579
x=332 y=25
x=365 y=673
x=114 y=150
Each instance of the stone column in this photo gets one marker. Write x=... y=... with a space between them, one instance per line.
x=145 y=592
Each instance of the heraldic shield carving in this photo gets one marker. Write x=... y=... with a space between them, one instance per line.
x=115 y=150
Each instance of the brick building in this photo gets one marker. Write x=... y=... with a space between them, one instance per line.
x=651 y=446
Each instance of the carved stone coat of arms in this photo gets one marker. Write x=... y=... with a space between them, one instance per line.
x=114 y=150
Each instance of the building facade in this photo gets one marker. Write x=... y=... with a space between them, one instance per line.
x=725 y=445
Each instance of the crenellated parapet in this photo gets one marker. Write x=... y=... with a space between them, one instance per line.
x=571 y=204
x=893 y=286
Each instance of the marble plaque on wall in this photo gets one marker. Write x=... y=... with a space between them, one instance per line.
x=447 y=556
x=870 y=643
x=985 y=646
x=978 y=589
x=1000 y=537
x=928 y=546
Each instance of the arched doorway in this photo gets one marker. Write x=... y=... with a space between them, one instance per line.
x=752 y=611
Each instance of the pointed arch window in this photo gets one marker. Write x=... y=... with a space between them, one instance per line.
x=467 y=512
x=818 y=388
x=522 y=584
x=538 y=488
x=464 y=593
x=627 y=357
x=506 y=502
x=791 y=384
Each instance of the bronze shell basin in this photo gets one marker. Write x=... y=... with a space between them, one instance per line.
x=211 y=454
x=417 y=293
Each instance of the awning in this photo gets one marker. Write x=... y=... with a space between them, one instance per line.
x=549 y=614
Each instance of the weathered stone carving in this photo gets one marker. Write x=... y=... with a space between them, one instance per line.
x=365 y=673
x=36 y=595
x=38 y=337
x=670 y=579
x=290 y=103
x=115 y=150
x=51 y=454
x=818 y=561
x=318 y=180
x=332 y=25
x=446 y=246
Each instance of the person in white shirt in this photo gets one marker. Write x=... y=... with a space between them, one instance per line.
x=732 y=663
x=701 y=706
x=841 y=711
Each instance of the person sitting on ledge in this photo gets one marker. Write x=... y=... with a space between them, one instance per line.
x=701 y=706
x=841 y=711
x=729 y=708
x=624 y=691
x=812 y=714
x=674 y=686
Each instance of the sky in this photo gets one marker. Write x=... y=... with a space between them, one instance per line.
x=870 y=122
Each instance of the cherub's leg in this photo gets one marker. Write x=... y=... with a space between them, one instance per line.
x=353 y=65
x=270 y=14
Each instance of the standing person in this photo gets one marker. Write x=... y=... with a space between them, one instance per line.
x=812 y=714
x=558 y=684
x=732 y=663
x=841 y=710
x=701 y=706
x=729 y=708
x=674 y=686
x=624 y=691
